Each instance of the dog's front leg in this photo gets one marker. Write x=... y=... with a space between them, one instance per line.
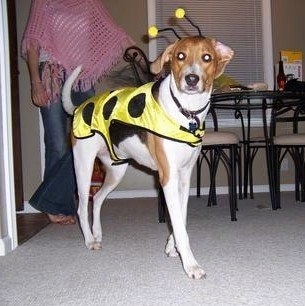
x=184 y=186
x=173 y=200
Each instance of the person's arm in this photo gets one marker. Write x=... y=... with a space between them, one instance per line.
x=38 y=93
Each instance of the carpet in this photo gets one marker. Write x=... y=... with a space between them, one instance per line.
x=258 y=260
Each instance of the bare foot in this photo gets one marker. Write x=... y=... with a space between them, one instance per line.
x=62 y=219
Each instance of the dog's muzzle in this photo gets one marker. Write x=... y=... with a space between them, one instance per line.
x=192 y=79
x=192 y=84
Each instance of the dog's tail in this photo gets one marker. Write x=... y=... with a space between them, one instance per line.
x=66 y=91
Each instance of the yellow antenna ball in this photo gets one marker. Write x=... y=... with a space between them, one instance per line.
x=153 y=31
x=179 y=13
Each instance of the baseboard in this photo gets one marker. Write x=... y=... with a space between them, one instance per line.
x=152 y=193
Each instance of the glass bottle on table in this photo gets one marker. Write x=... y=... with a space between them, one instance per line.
x=281 y=77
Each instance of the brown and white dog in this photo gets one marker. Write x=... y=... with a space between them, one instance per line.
x=195 y=62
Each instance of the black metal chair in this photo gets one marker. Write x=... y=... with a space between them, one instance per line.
x=287 y=116
x=225 y=147
x=139 y=64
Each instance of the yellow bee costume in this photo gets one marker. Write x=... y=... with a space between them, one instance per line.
x=131 y=106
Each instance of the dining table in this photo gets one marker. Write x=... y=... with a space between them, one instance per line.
x=243 y=104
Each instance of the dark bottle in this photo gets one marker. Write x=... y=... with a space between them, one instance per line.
x=281 y=77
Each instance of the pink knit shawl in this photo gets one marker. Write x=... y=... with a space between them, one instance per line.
x=76 y=32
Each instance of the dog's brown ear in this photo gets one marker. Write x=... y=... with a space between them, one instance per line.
x=224 y=54
x=157 y=66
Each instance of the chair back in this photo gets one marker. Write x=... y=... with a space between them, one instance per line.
x=212 y=114
x=139 y=64
x=287 y=117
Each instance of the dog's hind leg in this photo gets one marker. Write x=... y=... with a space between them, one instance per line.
x=83 y=163
x=113 y=176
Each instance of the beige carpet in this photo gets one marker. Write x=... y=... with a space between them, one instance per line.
x=258 y=260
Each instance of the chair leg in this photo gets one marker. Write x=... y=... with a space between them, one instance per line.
x=277 y=183
x=302 y=175
x=271 y=165
x=230 y=165
x=214 y=162
x=239 y=165
x=297 y=173
x=303 y=180
x=230 y=161
x=232 y=184
x=161 y=206
x=299 y=162
x=246 y=169
x=251 y=178
x=198 y=169
x=251 y=159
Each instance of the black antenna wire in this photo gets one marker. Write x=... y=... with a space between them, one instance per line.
x=170 y=29
x=194 y=25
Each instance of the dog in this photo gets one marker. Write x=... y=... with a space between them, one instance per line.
x=180 y=102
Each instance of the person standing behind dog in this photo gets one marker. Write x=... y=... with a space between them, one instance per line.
x=61 y=35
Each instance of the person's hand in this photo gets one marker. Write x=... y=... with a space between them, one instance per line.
x=39 y=94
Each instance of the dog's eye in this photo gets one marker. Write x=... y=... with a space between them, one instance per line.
x=181 y=56
x=206 y=58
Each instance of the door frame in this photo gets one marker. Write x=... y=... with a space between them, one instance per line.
x=8 y=225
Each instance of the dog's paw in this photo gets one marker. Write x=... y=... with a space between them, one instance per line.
x=94 y=245
x=171 y=252
x=170 y=248
x=195 y=272
x=97 y=246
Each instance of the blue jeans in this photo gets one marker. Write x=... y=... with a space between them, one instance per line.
x=56 y=194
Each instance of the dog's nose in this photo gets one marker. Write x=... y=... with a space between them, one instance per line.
x=192 y=79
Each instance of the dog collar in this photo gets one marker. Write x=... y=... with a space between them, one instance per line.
x=190 y=115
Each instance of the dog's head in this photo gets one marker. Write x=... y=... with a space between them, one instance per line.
x=195 y=62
